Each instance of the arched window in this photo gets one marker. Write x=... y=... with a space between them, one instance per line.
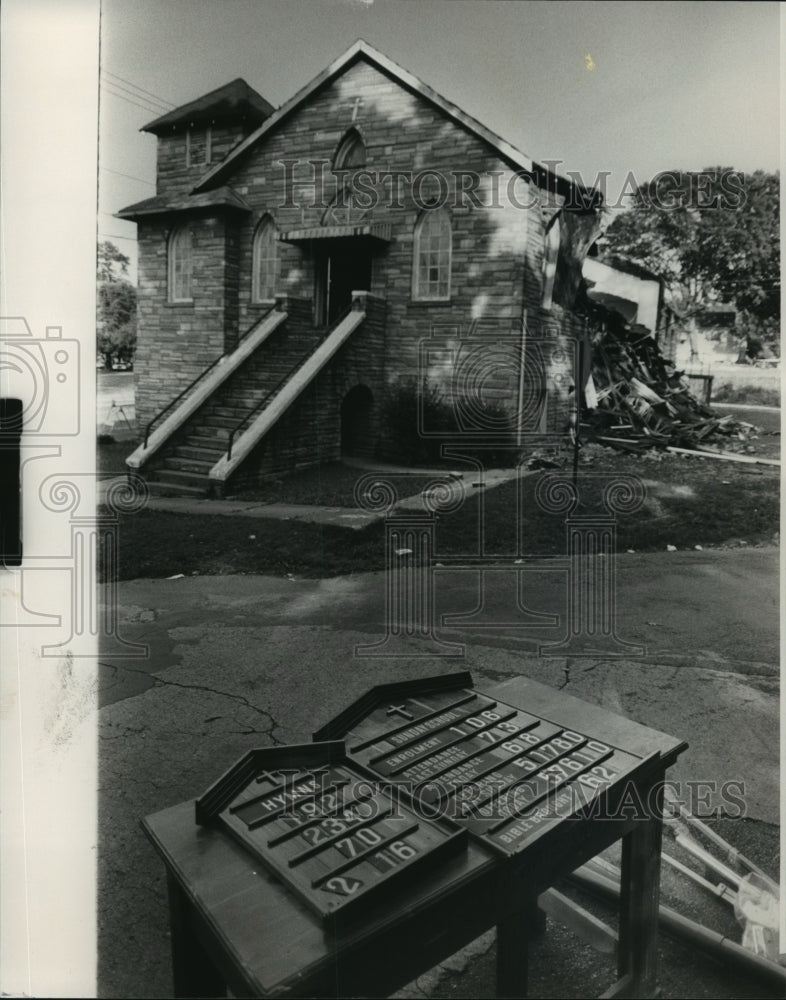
x=180 y=264
x=431 y=255
x=350 y=152
x=264 y=261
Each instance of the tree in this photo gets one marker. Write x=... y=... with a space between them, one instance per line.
x=117 y=319
x=711 y=236
x=116 y=305
x=109 y=258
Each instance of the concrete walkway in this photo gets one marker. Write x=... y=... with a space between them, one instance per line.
x=343 y=517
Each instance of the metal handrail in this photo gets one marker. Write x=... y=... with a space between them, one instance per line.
x=201 y=375
x=282 y=382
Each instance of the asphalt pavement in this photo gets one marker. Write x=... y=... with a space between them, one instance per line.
x=236 y=662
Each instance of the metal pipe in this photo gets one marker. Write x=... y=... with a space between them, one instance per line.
x=735 y=856
x=684 y=929
x=708 y=860
x=718 y=890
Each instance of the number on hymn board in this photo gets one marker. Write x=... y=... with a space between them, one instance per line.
x=342 y=885
x=392 y=856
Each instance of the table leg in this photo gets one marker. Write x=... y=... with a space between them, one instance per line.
x=194 y=975
x=513 y=933
x=639 y=901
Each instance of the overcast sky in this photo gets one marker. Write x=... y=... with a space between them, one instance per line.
x=621 y=87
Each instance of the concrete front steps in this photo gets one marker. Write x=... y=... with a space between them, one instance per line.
x=184 y=466
x=184 y=471
x=171 y=483
x=194 y=461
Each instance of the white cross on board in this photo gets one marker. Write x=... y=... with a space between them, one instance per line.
x=400 y=710
x=358 y=105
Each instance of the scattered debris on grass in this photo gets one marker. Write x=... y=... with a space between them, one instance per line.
x=542 y=459
x=724 y=456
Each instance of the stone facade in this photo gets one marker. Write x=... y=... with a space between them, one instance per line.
x=176 y=172
x=499 y=243
x=178 y=340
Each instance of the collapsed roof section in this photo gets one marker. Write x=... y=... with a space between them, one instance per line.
x=625 y=288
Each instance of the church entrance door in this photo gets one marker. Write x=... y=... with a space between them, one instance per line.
x=343 y=267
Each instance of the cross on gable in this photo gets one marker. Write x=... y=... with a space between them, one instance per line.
x=400 y=710
x=356 y=108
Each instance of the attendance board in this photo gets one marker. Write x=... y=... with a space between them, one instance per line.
x=504 y=774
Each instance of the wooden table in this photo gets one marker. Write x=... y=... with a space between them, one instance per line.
x=234 y=925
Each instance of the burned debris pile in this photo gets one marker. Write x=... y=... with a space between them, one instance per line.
x=635 y=399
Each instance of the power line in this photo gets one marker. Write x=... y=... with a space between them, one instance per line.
x=133 y=93
x=145 y=107
x=129 y=176
x=149 y=93
x=116 y=236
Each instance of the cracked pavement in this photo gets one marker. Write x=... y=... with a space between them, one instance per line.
x=237 y=662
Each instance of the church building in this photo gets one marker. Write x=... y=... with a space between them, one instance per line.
x=366 y=242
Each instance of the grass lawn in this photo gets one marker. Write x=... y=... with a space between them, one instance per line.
x=761 y=395
x=328 y=486
x=688 y=502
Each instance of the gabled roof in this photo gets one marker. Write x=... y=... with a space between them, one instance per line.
x=235 y=100
x=362 y=50
x=160 y=204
